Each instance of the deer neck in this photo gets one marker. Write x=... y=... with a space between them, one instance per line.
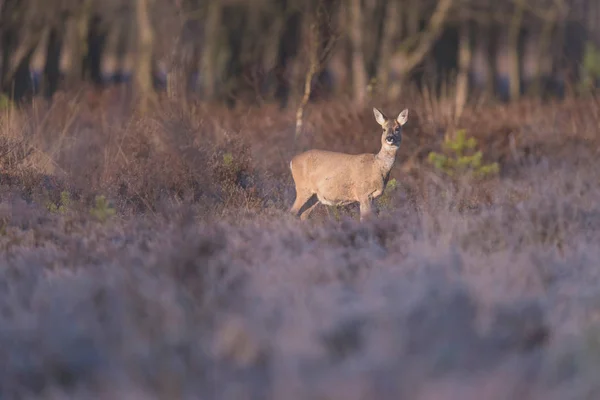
x=385 y=159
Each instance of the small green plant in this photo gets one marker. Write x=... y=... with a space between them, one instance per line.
x=235 y=178
x=462 y=157
x=337 y=214
x=590 y=67
x=3 y=226
x=385 y=199
x=5 y=102
x=228 y=160
x=102 y=209
x=63 y=205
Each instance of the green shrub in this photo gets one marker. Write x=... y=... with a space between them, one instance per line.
x=5 y=102
x=63 y=205
x=235 y=177
x=385 y=199
x=228 y=160
x=102 y=209
x=461 y=157
x=590 y=67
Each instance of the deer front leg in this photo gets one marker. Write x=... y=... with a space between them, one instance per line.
x=366 y=209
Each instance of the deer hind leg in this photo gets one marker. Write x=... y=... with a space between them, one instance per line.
x=310 y=205
x=302 y=198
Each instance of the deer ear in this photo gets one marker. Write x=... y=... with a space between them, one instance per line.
x=403 y=116
x=379 y=116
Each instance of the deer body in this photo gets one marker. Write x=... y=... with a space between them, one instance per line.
x=333 y=178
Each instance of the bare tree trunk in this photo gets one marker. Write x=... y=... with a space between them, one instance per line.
x=53 y=52
x=513 y=50
x=95 y=45
x=8 y=43
x=123 y=43
x=413 y=17
x=481 y=66
x=591 y=22
x=391 y=29
x=404 y=61
x=8 y=38
x=19 y=43
x=310 y=74
x=537 y=63
x=313 y=67
x=557 y=74
x=287 y=50
x=501 y=68
x=76 y=42
x=359 y=72
x=374 y=19
x=209 y=56
x=185 y=61
x=21 y=84
x=192 y=69
x=16 y=80
x=339 y=65
x=464 y=62
x=234 y=77
x=143 y=67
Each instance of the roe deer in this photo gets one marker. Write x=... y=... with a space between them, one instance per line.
x=340 y=179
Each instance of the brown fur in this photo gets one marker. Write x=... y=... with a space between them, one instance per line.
x=339 y=179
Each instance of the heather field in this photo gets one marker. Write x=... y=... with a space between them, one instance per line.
x=153 y=257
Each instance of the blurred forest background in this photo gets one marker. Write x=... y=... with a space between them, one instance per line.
x=256 y=51
x=147 y=252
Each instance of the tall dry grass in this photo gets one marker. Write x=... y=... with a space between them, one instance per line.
x=202 y=286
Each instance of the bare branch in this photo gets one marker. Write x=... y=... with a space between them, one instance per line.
x=426 y=41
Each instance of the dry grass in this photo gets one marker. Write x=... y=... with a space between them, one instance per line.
x=202 y=286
